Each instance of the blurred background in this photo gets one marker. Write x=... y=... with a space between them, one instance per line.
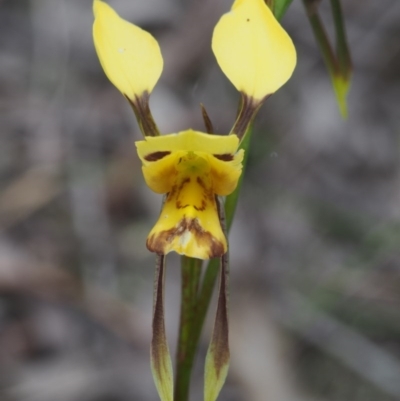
x=315 y=247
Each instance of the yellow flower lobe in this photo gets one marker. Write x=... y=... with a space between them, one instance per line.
x=252 y=49
x=130 y=57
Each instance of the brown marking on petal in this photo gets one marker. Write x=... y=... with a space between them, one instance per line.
x=202 y=207
x=172 y=194
x=225 y=157
x=201 y=183
x=207 y=191
x=158 y=242
x=183 y=183
x=155 y=156
x=179 y=205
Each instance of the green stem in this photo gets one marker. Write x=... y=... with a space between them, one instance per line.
x=338 y=65
x=321 y=37
x=279 y=8
x=191 y=273
x=343 y=53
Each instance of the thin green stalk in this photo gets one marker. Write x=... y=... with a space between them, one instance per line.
x=279 y=7
x=338 y=65
x=321 y=36
x=343 y=53
x=191 y=273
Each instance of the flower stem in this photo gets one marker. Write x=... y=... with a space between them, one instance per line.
x=191 y=273
x=343 y=53
x=338 y=64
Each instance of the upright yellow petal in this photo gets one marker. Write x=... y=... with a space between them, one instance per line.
x=130 y=56
x=252 y=49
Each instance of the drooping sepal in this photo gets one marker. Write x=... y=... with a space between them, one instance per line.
x=161 y=365
x=218 y=355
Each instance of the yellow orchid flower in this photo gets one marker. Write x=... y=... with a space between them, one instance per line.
x=253 y=50
x=130 y=56
x=192 y=168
